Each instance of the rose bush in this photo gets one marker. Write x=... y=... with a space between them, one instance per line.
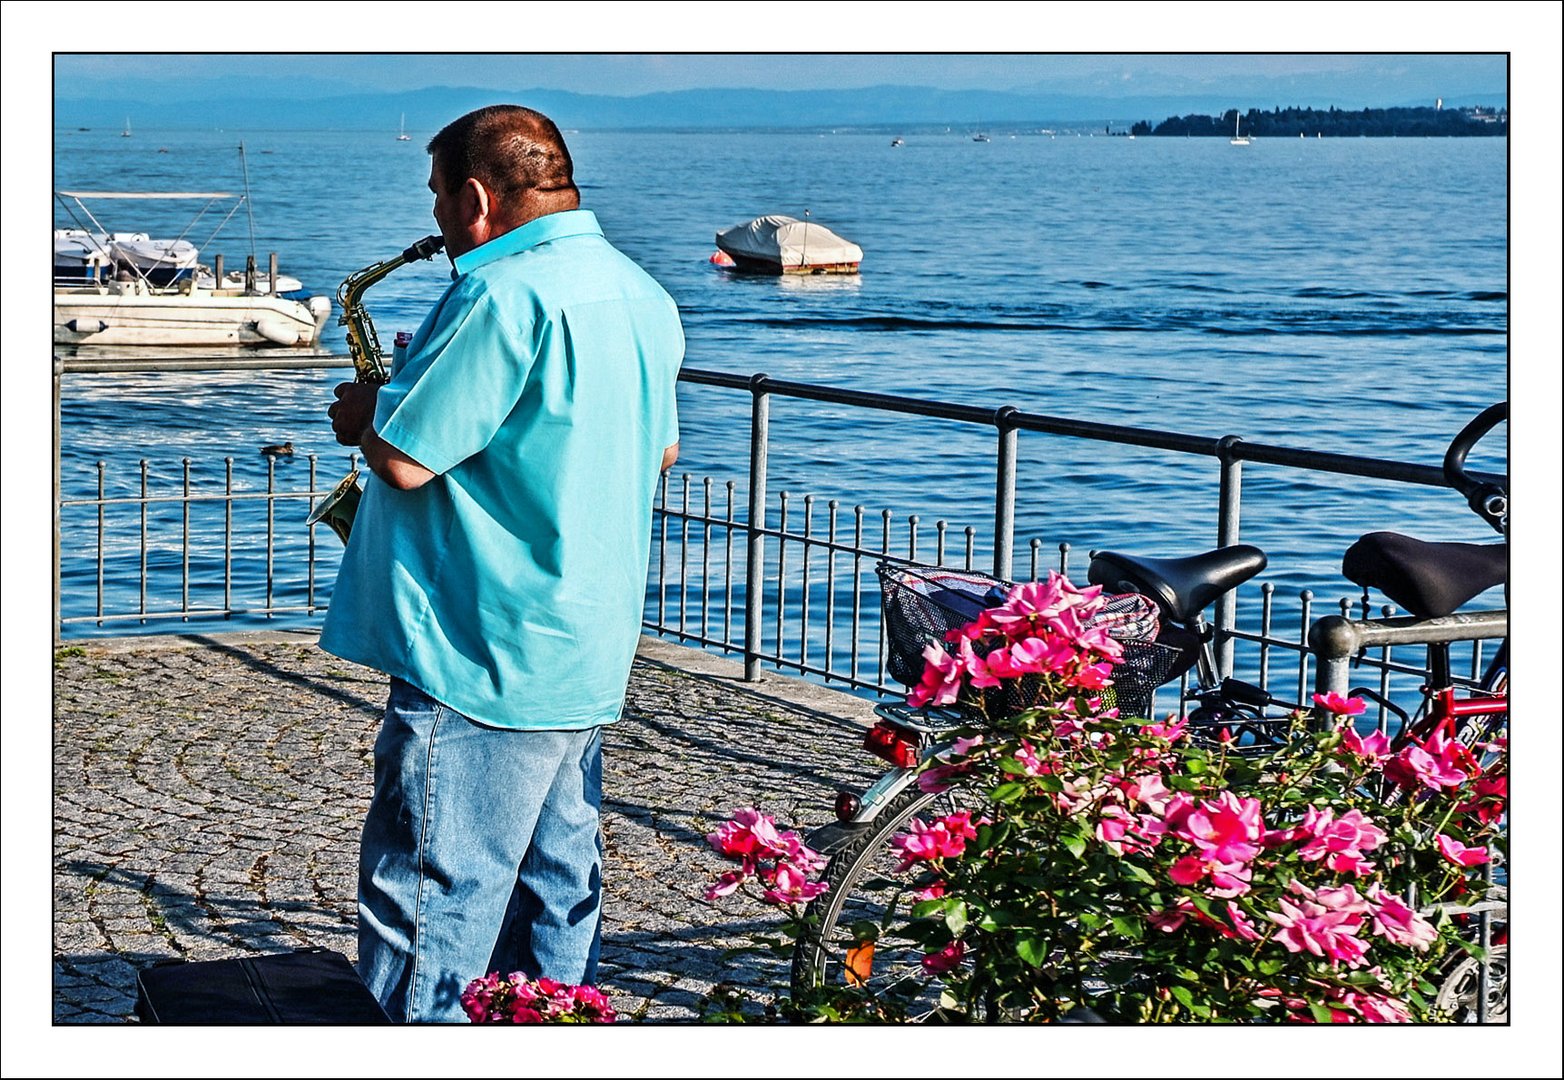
x=1121 y=865
x=516 y=999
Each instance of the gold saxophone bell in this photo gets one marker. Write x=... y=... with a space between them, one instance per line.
x=338 y=509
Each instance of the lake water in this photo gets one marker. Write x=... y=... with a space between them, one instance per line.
x=1347 y=295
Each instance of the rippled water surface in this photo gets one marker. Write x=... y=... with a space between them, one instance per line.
x=1347 y=295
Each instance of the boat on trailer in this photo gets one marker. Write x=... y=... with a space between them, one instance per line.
x=777 y=244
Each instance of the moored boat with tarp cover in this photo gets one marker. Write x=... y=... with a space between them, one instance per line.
x=777 y=244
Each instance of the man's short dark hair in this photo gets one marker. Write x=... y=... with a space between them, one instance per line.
x=510 y=148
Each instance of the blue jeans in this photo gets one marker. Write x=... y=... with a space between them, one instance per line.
x=481 y=852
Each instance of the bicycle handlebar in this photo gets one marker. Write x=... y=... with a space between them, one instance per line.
x=1489 y=501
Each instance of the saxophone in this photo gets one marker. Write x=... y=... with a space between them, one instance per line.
x=369 y=366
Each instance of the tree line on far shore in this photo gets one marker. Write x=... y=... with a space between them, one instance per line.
x=1335 y=123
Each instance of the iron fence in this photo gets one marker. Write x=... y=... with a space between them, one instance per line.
x=813 y=608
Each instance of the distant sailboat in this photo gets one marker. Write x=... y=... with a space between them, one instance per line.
x=126 y=133
x=402 y=135
x=1237 y=139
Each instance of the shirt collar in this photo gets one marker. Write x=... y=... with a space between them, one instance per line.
x=537 y=231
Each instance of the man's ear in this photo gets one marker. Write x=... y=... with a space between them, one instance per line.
x=477 y=199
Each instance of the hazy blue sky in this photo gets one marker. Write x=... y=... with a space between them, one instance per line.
x=1368 y=77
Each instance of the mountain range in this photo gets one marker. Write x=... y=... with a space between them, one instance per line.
x=213 y=104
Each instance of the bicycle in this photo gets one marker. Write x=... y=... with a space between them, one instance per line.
x=922 y=603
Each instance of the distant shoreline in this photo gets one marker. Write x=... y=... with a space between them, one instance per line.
x=1468 y=122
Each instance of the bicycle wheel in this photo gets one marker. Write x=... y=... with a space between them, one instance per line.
x=1458 y=990
x=856 y=944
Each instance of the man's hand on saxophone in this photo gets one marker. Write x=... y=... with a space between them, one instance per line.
x=352 y=416
x=353 y=411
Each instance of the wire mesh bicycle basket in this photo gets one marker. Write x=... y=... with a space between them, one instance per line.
x=921 y=605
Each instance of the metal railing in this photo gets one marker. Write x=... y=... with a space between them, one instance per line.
x=801 y=570
x=158 y=570
x=809 y=577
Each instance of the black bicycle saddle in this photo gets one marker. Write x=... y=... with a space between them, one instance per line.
x=1183 y=587
x=1428 y=579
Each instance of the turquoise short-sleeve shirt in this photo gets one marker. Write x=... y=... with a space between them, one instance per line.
x=541 y=391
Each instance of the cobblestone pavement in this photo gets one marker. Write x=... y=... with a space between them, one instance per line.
x=208 y=794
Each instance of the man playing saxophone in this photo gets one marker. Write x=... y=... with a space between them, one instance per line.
x=496 y=571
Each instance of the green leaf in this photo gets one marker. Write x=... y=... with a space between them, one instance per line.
x=1034 y=950
x=1182 y=995
x=1049 y=782
x=864 y=930
x=956 y=916
x=1130 y=927
x=1195 y=766
x=1006 y=793
x=1321 y=1013
x=1271 y=967
x=1472 y=948
x=1075 y=845
x=1137 y=872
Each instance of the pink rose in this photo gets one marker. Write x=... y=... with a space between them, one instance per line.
x=1339 y=705
x=947 y=959
x=1458 y=854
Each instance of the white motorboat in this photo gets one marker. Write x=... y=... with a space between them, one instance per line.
x=135 y=313
x=82 y=256
x=127 y=289
x=776 y=244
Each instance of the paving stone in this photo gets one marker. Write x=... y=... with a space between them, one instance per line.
x=221 y=805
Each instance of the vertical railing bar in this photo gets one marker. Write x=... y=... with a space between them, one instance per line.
x=1064 y=558
x=1036 y=548
x=1384 y=673
x=271 y=528
x=706 y=520
x=803 y=606
x=971 y=544
x=885 y=550
x=309 y=582
x=1229 y=500
x=912 y=537
x=830 y=588
x=1305 y=604
x=143 y=608
x=1267 y=600
x=57 y=556
x=782 y=536
x=228 y=535
x=939 y=542
x=684 y=553
x=662 y=551
x=852 y=659
x=727 y=573
x=755 y=564
x=1477 y=660
x=1004 y=491
x=184 y=545
x=101 y=466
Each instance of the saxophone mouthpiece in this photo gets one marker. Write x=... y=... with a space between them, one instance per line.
x=426 y=248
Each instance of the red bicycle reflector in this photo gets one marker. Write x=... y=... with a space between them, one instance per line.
x=893 y=743
x=847 y=805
